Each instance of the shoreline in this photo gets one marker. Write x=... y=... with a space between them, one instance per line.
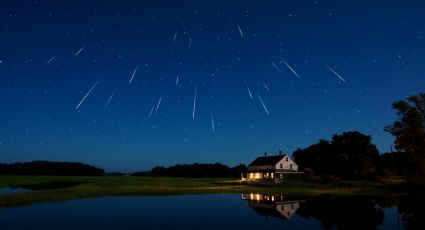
x=80 y=187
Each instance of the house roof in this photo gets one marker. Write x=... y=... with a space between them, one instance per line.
x=270 y=160
x=271 y=212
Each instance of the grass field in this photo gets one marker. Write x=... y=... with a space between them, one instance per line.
x=89 y=187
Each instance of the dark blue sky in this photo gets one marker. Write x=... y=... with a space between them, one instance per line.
x=352 y=58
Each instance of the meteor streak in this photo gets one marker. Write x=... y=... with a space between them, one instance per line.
x=240 y=31
x=132 y=76
x=212 y=123
x=275 y=66
x=264 y=106
x=79 y=51
x=290 y=68
x=249 y=91
x=336 y=74
x=109 y=100
x=159 y=103
x=87 y=94
x=51 y=59
x=194 y=102
x=175 y=36
x=265 y=86
x=150 y=113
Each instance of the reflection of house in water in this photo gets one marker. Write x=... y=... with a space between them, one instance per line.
x=272 y=205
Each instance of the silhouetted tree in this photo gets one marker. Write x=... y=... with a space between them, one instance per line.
x=309 y=174
x=238 y=170
x=316 y=157
x=392 y=164
x=355 y=155
x=409 y=131
x=197 y=170
x=350 y=154
x=51 y=168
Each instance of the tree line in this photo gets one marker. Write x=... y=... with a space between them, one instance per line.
x=349 y=155
x=353 y=155
x=196 y=170
x=51 y=168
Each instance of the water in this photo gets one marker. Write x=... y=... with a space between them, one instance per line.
x=223 y=211
x=9 y=190
x=37 y=187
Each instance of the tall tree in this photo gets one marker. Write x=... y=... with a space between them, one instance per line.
x=409 y=133
x=316 y=157
x=355 y=155
x=409 y=129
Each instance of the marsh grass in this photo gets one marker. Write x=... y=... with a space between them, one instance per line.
x=90 y=187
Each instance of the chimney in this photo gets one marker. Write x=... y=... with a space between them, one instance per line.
x=280 y=152
x=265 y=154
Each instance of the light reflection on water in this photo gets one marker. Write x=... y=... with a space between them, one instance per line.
x=272 y=205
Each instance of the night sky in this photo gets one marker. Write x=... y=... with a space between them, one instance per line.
x=113 y=83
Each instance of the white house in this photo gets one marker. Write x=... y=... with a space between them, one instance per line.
x=270 y=169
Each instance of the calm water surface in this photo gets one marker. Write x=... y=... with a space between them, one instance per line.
x=9 y=190
x=223 y=211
